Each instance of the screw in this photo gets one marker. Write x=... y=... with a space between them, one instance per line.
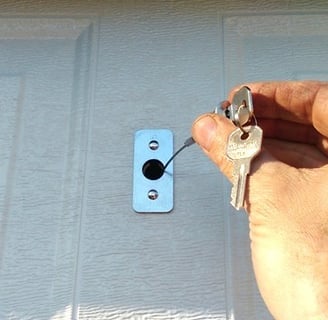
x=153 y=145
x=152 y=194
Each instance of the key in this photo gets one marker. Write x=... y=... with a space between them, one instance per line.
x=242 y=148
x=241 y=109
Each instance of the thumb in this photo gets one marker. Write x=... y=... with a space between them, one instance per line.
x=211 y=132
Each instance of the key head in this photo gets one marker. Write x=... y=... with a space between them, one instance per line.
x=241 y=109
x=244 y=146
x=243 y=97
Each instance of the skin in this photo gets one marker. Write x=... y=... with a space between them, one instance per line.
x=286 y=195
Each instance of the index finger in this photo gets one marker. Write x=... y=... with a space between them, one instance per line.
x=303 y=102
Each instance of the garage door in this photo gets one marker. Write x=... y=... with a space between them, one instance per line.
x=77 y=80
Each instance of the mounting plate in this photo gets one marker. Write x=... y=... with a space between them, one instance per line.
x=152 y=186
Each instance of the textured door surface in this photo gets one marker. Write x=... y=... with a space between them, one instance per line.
x=77 y=79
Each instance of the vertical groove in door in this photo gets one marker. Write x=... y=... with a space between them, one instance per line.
x=11 y=170
x=225 y=187
x=89 y=37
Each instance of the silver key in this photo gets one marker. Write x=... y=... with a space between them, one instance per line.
x=242 y=148
x=241 y=109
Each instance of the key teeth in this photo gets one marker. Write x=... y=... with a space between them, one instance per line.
x=234 y=201
x=233 y=193
x=235 y=206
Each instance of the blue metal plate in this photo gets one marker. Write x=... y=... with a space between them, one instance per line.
x=152 y=187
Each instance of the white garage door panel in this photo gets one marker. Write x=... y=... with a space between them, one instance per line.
x=275 y=47
x=261 y=48
x=43 y=77
x=73 y=91
x=153 y=266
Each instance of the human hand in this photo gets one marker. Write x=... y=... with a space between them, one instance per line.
x=286 y=195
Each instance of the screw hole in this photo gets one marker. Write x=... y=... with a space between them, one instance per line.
x=153 y=169
x=153 y=145
x=153 y=194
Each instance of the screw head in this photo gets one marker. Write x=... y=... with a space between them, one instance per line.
x=153 y=194
x=153 y=145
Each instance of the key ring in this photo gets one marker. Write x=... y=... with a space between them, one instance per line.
x=233 y=113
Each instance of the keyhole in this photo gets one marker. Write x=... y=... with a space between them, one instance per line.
x=153 y=169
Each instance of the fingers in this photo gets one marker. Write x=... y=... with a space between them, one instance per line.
x=295 y=154
x=294 y=132
x=290 y=131
x=304 y=102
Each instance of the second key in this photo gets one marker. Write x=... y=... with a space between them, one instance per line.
x=242 y=148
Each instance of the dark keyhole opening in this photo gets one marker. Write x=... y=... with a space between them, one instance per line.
x=153 y=169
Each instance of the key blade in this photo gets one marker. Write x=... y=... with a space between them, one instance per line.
x=241 y=171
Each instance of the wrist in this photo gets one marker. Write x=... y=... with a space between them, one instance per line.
x=297 y=287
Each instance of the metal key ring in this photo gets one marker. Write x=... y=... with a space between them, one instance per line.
x=242 y=128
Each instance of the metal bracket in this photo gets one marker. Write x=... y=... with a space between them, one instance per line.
x=152 y=186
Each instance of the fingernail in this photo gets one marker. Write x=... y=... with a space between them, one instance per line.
x=204 y=131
